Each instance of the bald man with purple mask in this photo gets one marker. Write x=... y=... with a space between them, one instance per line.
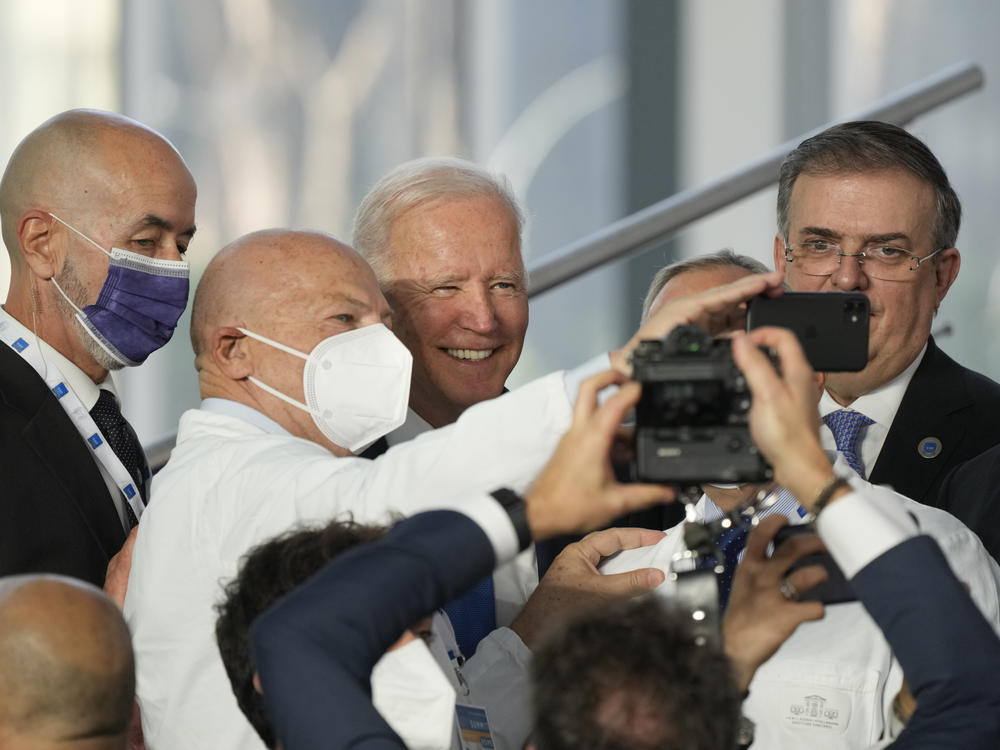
x=96 y=211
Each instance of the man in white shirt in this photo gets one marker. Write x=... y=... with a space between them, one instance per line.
x=262 y=455
x=83 y=186
x=865 y=206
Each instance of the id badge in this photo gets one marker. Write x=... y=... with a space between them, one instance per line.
x=473 y=727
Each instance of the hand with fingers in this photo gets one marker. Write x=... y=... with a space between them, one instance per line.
x=784 y=421
x=119 y=567
x=573 y=586
x=576 y=490
x=719 y=309
x=760 y=615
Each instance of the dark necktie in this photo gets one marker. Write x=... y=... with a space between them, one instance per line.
x=125 y=443
x=846 y=427
x=731 y=542
x=473 y=616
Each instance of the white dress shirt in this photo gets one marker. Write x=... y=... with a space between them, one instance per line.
x=880 y=405
x=513 y=581
x=413 y=426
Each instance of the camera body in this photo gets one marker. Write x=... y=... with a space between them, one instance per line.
x=692 y=418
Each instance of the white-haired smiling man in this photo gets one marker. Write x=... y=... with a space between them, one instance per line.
x=444 y=238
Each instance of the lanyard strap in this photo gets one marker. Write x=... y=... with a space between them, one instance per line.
x=25 y=343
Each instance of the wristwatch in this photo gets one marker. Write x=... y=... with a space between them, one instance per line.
x=514 y=505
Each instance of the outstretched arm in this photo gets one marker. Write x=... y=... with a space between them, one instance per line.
x=314 y=650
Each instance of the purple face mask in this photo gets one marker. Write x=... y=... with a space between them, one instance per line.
x=138 y=306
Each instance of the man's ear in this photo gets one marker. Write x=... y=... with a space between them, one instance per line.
x=945 y=272
x=820 y=378
x=230 y=354
x=41 y=252
x=256 y=683
x=779 y=254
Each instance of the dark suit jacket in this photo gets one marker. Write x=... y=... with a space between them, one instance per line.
x=56 y=515
x=314 y=650
x=944 y=400
x=971 y=493
x=948 y=651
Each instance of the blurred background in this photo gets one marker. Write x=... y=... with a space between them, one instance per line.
x=288 y=111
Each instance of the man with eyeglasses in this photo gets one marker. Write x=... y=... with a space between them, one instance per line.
x=865 y=206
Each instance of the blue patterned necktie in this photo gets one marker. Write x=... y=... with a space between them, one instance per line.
x=731 y=542
x=846 y=427
x=473 y=616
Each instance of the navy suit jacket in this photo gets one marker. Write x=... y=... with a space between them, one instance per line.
x=56 y=515
x=948 y=651
x=944 y=400
x=314 y=650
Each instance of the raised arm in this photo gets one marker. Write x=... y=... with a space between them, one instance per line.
x=949 y=653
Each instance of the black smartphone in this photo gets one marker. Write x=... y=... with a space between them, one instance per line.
x=831 y=326
x=835 y=589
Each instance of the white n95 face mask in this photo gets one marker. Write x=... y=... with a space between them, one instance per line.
x=414 y=697
x=356 y=384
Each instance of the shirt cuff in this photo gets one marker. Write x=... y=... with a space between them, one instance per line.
x=573 y=378
x=863 y=525
x=492 y=518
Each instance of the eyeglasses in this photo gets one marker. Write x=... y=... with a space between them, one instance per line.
x=822 y=258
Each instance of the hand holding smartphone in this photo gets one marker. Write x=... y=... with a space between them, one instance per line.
x=835 y=589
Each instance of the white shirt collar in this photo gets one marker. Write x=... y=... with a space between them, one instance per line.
x=881 y=404
x=785 y=504
x=81 y=384
x=245 y=413
x=413 y=426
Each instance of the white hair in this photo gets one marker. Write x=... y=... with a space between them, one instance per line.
x=417 y=183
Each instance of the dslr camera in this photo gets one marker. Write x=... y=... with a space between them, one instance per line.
x=692 y=418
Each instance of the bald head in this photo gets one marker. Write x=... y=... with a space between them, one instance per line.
x=83 y=182
x=268 y=273
x=73 y=161
x=294 y=288
x=66 y=665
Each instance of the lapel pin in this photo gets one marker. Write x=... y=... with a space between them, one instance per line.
x=929 y=447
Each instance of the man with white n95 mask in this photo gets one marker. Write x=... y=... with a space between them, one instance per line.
x=250 y=464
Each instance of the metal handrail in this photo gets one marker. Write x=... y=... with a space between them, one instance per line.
x=655 y=223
